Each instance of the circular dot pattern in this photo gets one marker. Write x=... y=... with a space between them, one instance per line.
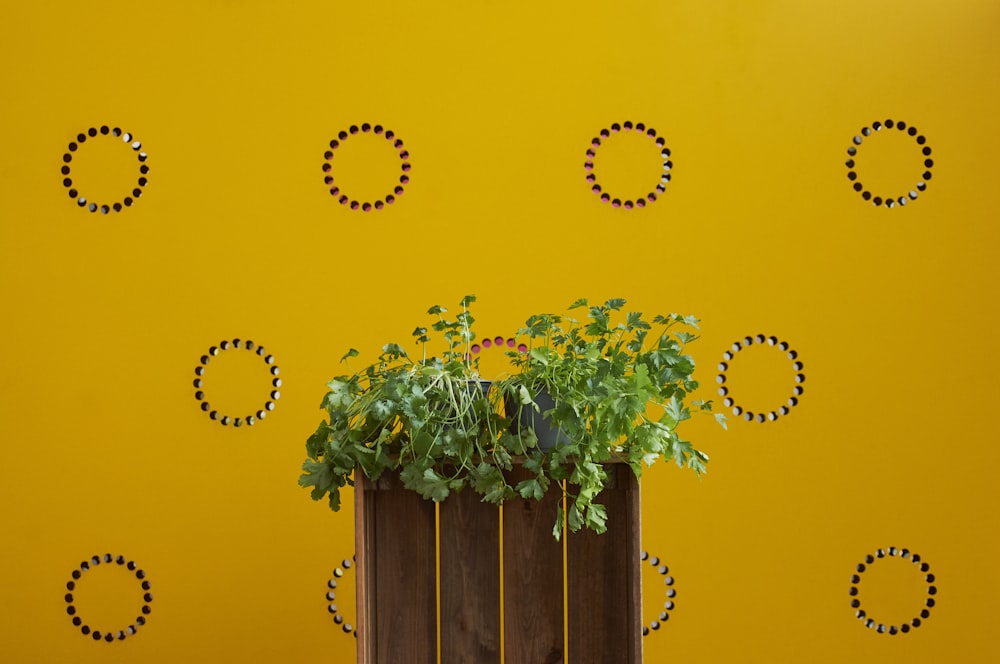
x=870 y=622
x=668 y=581
x=80 y=197
x=889 y=201
x=605 y=134
x=730 y=355
x=331 y=597
x=199 y=383
x=109 y=636
x=499 y=343
x=345 y=199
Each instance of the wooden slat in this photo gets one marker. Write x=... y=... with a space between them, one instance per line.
x=364 y=550
x=604 y=582
x=533 y=579
x=470 y=580
x=397 y=558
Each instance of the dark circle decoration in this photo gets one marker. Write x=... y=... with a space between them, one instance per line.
x=331 y=596
x=605 y=134
x=888 y=201
x=760 y=340
x=668 y=581
x=922 y=567
x=498 y=342
x=112 y=635
x=79 y=197
x=343 y=198
x=199 y=383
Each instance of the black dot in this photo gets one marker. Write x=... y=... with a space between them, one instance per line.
x=92 y=131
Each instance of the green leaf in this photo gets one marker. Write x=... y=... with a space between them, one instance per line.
x=339 y=396
x=582 y=302
x=436 y=309
x=335 y=499
x=317 y=442
x=317 y=474
x=615 y=303
x=468 y=299
x=530 y=489
x=597 y=517
x=575 y=517
x=675 y=409
x=557 y=529
x=351 y=353
x=721 y=419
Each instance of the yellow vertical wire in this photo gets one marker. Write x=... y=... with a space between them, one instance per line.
x=437 y=577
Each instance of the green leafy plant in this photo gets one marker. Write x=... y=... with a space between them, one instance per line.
x=618 y=388
x=618 y=394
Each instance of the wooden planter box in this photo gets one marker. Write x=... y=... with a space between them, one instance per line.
x=398 y=541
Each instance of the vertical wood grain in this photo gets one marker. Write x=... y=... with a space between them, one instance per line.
x=604 y=582
x=470 y=580
x=533 y=579
x=398 y=561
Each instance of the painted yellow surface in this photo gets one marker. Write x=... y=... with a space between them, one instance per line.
x=892 y=311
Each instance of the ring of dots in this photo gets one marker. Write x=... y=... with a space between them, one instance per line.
x=199 y=383
x=331 y=597
x=889 y=201
x=668 y=581
x=110 y=635
x=74 y=146
x=925 y=612
x=738 y=410
x=498 y=342
x=343 y=198
x=596 y=188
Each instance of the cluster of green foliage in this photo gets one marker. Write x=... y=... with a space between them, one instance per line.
x=619 y=391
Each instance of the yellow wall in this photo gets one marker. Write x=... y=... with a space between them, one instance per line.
x=891 y=311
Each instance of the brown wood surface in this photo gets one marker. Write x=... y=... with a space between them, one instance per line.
x=397 y=605
x=533 y=579
x=604 y=588
x=470 y=580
